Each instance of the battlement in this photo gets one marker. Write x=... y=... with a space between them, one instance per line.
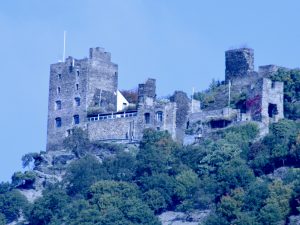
x=239 y=63
x=100 y=53
x=147 y=90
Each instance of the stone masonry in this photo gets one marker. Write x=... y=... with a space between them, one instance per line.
x=83 y=93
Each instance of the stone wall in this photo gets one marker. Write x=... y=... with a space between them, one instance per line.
x=94 y=81
x=239 y=63
x=147 y=90
x=168 y=111
x=183 y=109
x=272 y=93
x=68 y=80
x=102 y=80
x=120 y=128
x=88 y=80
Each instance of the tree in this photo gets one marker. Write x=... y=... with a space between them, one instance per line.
x=256 y=195
x=270 y=215
x=163 y=183
x=77 y=142
x=187 y=190
x=81 y=174
x=122 y=167
x=49 y=208
x=12 y=204
x=123 y=199
x=155 y=153
x=30 y=158
x=218 y=153
x=155 y=200
x=2 y=219
x=234 y=173
x=23 y=180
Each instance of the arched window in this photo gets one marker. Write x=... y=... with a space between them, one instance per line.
x=76 y=119
x=57 y=105
x=58 y=122
x=159 y=116
x=77 y=87
x=147 y=118
x=77 y=101
x=58 y=90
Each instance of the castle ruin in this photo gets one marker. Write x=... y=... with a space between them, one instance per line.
x=84 y=93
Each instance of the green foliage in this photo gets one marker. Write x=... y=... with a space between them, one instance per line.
x=23 y=180
x=279 y=148
x=4 y=187
x=291 y=80
x=225 y=173
x=214 y=95
x=77 y=142
x=163 y=183
x=122 y=167
x=29 y=158
x=187 y=183
x=122 y=198
x=155 y=153
x=2 y=219
x=110 y=147
x=12 y=203
x=155 y=200
x=51 y=207
x=270 y=215
x=233 y=174
x=81 y=174
x=218 y=153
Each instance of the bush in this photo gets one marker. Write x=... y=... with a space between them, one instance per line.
x=12 y=203
x=23 y=180
x=81 y=174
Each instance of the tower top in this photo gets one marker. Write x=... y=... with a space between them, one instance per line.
x=100 y=53
x=239 y=63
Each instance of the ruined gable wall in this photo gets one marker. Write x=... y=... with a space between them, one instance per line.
x=272 y=93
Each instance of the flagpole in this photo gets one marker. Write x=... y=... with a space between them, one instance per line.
x=193 y=100
x=229 y=89
x=64 y=52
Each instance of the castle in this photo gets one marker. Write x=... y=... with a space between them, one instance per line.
x=84 y=93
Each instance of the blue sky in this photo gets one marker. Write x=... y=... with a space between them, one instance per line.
x=180 y=43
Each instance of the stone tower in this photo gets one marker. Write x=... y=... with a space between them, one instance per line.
x=239 y=63
x=77 y=88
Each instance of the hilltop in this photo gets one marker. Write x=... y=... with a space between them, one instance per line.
x=242 y=172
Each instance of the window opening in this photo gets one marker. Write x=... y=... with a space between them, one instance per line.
x=219 y=123
x=159 y=116
x=57 y=105
x=272 y=110
x=147 y=118
x=58 y=122
x=76 y=119
x=77 y=101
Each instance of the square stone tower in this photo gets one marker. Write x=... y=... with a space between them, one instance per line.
x=239 y=63
x=77 y=87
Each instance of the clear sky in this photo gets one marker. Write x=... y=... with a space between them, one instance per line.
x=181 y=43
